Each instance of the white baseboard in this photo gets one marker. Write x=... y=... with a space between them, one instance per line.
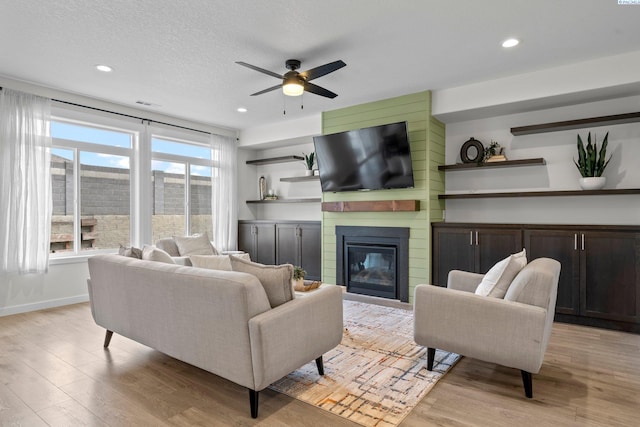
x=41 y=305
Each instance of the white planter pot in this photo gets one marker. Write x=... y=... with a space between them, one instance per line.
x=308 y=172
x=593 y=183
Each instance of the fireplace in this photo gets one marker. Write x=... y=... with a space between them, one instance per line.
x=373 y=261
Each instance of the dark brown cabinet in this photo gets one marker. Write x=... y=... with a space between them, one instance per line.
x=600 y=278
x=471 y=247
x=281 y=242
x=600 y=275
x=299 y=244
x=561 y=245
x=258 y=238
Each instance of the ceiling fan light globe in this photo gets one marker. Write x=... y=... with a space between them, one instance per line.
x=292 y=89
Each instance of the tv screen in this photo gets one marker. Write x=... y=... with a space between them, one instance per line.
x=372 y=158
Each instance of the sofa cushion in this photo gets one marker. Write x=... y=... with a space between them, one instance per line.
x=168 y=245
x=151 y=253
x=276 y=279
x=497 y=280
x=130 y=252
x=212 y=262
x=195 y=245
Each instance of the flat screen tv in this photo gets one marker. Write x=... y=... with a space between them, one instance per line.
x=372 y=158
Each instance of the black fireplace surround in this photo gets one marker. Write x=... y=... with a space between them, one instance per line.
x=373 y=261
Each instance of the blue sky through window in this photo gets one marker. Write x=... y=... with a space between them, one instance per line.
x=75 y=132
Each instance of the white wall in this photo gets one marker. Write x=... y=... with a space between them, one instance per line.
x=248 y=185
x=63 y=284
x=559 y=150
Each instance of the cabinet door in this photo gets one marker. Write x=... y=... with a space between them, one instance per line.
x=246 y=240
x=493 y=245
x=610 y=275
x=265 y=235
x=560 y=245
x=310 y=250
x=453 y=249
x=287 y=245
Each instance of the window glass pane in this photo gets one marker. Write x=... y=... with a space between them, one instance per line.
x=200 y=214
x=180 y=149
x=104 y=201
x=92 y=135
x=168 y=199
x=62 y=183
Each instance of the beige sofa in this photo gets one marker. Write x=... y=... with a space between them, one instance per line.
x=513 y=331
x=220 y=321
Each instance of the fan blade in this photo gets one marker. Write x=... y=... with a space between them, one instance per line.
x=310 y=87
x=267 y=90
x=322 y=70
x=262 y=70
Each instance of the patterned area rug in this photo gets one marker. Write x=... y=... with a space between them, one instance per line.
x=377 y=375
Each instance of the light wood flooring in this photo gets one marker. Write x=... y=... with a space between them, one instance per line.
x=54 y=371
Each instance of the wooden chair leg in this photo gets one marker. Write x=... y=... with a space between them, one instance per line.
x=527 y=381
x=107 y=338
x=431 y=354
x=320 y=365
x=253 y=402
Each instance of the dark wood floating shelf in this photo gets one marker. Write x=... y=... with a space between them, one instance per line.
x=373 y=206
x=301 y=178
x=270 y=160
x=487 y=165
x=305 y=200
x=616 y=119
x=541 y=194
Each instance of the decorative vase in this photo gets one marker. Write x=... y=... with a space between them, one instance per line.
x=593 y=183
x=308 y=172
x=298 y=285
x=262 y=187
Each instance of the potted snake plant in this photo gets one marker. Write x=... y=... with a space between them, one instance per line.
x=591 y=162
x=309 y=161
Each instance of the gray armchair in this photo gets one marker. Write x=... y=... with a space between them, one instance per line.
x=512 y=332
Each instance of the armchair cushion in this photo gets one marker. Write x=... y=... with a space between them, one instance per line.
x=276 y=279
x=497 y=280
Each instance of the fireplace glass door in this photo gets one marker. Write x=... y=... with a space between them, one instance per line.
x=372 y=270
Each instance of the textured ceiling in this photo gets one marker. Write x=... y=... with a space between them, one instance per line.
x=180 y=55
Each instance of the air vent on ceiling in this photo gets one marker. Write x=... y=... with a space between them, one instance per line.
x=147 y=104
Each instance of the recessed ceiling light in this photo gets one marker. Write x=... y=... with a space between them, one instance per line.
x=242 y=110
x=510 y=43
x=104 y=68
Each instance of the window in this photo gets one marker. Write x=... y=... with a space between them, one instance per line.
x=119 y=181
x=91 y=179
x=181 y=180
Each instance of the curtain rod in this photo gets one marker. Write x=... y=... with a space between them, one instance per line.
x=126 y=115
x=130 y=116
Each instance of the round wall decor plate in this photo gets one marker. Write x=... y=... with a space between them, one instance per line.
x=472 y=151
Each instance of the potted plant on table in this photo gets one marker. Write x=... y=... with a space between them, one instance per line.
x=298 y=277
x=309 y=160
x=591 y=163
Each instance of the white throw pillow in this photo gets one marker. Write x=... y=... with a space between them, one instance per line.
x=497 y=280
x=151 y=253
x=212 y=262
x=195 y=245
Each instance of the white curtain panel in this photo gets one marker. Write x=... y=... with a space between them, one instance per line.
x=224 y=199
x=25 y=182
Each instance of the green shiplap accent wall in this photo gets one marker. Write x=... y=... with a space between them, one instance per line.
x=427 y=139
